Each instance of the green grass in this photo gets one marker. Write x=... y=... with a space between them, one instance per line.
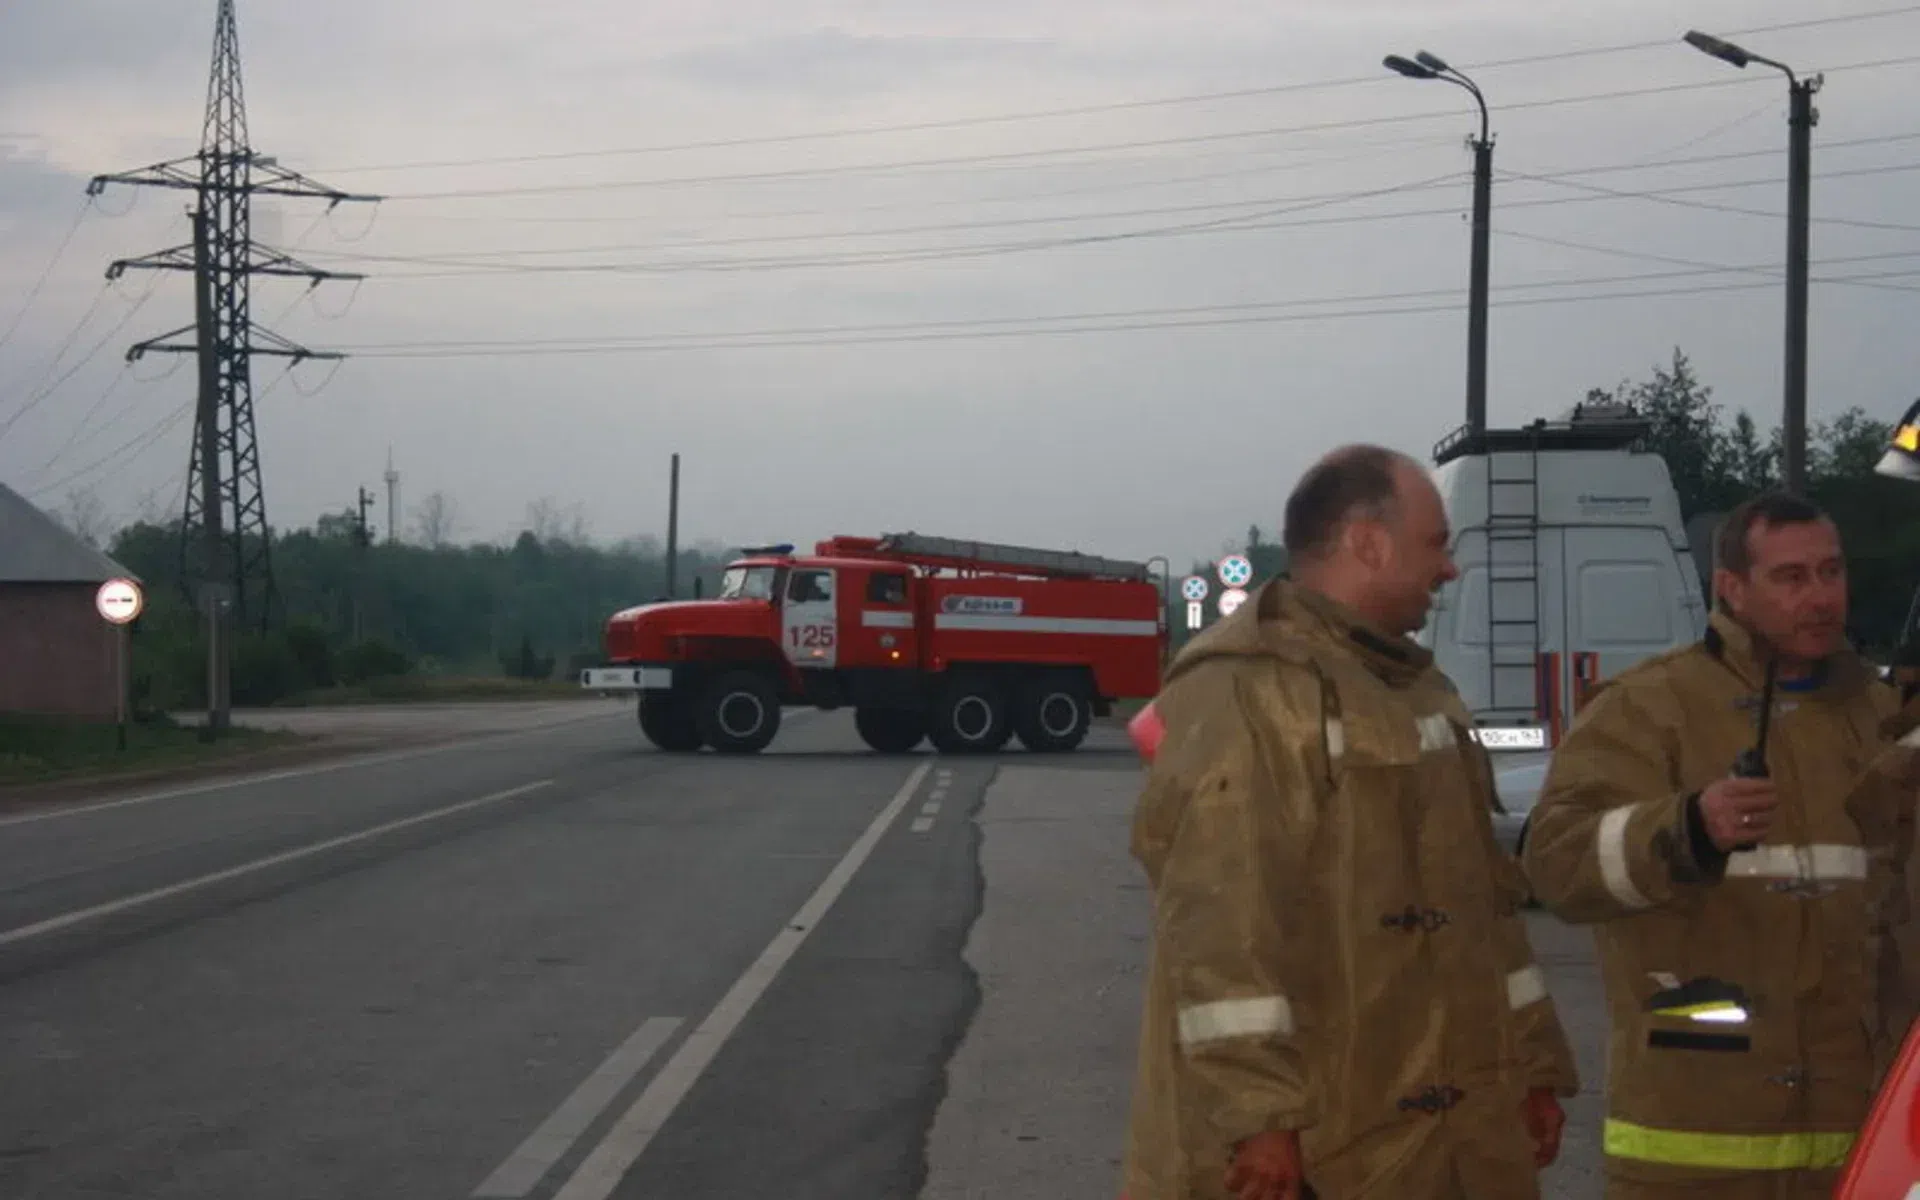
x=438 y=689
x=34 y=750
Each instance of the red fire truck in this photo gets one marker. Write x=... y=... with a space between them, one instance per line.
x=965 y=643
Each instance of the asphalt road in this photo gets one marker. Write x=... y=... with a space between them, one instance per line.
x=556 y=964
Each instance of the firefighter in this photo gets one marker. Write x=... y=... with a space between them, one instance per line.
x=1742 y=917
x=1342 y=1000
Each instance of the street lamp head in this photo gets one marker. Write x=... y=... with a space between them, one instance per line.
x=1725 y=51
x=1411 y=70
x=1431 y=62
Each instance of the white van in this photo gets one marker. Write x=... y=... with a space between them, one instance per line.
x=1574 y=564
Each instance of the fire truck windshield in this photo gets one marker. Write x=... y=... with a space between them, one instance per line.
x=748 y=583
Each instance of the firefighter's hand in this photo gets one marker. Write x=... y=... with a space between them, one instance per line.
x=1545 y=1120
x=1267 y=1167
x=1738 y=811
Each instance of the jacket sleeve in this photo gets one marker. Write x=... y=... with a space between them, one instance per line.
x=1611 y=833
x=1546 y=1057
x=1236 y=926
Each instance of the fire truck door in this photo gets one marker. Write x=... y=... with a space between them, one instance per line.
x=810 y=629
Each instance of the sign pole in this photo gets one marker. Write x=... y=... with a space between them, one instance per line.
x=119 y=602
x=120 y=652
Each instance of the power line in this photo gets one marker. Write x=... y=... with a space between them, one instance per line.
x=466 y=257
x=33 y=293
x=1095 y=109
x=1002 y=326
x=972 y=160
x=1244 y=223
x=37 y=398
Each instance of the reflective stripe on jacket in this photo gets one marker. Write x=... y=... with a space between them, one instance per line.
x=1745 y=991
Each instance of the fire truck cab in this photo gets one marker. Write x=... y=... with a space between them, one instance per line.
x=966 y=643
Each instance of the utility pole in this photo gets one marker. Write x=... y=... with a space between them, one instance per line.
x=673 y=529
x=1801 y=118
x=363 y=541
x=393 y=495
x=1429 y=66
x=223 y=474
x=1793 y=415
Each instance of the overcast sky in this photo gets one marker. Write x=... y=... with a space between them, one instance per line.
x=1255 y=299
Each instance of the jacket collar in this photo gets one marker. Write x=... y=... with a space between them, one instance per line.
x=1396 y=660
x=1739 y=651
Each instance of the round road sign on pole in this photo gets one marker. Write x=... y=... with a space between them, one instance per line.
x=119 y=601
x=1231 y=599
x=1235 y=571
x=1194 y=588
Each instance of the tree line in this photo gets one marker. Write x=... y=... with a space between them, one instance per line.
x=356 y=610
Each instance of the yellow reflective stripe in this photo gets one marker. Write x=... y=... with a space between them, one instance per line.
x=1694 y=1010
x=1742 y=1151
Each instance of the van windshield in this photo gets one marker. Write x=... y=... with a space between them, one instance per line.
x=747 y=583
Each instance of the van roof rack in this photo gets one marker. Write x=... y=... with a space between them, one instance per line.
x=1591 y=425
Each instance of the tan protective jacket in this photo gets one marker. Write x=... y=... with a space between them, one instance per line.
x=1337 y=947
x=1795 y=924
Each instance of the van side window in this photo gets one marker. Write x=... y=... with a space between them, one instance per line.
x=887 y=588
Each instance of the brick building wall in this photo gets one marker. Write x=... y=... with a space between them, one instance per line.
x=56 y=654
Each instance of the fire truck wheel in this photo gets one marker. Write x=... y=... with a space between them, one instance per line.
x=1053 y=716
x=890 y=730
x=970 y=717
x=668 y=725
x=739 y=713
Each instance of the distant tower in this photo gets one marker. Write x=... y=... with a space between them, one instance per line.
x=393 y=495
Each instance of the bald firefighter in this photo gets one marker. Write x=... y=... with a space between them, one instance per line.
x=1342 y=1001
x=1742 y=920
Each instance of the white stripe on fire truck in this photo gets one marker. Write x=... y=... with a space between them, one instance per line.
x=874 y=618
x=1047 y=625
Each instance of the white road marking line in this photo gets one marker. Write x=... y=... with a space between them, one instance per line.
x=78 y=916
x=930 y=808
x=547 y=1145
x=631 y=1134
x=922 y=824
x=466 y=742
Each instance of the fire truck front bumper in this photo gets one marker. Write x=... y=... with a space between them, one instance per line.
x=626 y=679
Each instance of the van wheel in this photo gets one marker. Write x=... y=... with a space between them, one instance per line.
x=739 y=713
x=970 y=717
x=668 y=725
x=890 y=730
x=1053 y=716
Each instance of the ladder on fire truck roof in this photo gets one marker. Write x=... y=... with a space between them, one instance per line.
x=962 y=555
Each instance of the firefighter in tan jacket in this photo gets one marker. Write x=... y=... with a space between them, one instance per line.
x=1742 y=923
x=1341 y=996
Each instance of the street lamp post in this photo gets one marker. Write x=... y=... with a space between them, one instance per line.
x=1801 y=119
x=1428 y=66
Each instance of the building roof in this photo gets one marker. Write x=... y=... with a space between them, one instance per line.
x=35 y=548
